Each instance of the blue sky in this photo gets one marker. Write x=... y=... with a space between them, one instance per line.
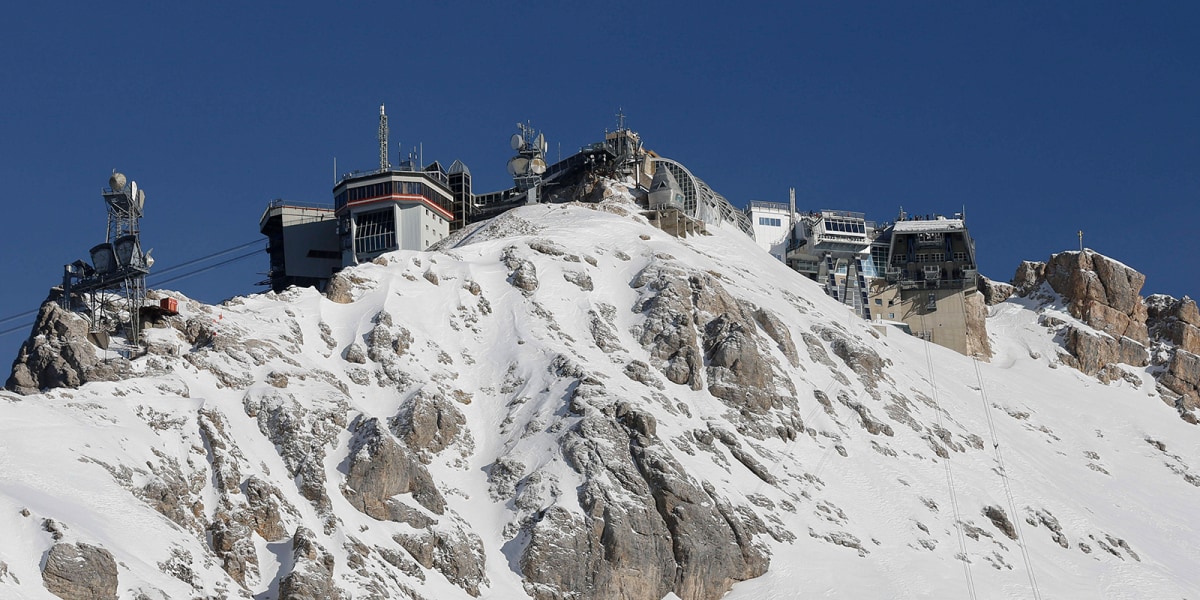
x=1040 y=118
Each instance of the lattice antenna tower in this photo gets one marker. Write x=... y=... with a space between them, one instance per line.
x=383 y=140
x=118 y=265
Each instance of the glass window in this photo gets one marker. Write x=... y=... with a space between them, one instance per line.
x=375 y=231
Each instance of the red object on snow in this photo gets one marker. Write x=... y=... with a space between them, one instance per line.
x=169 y=305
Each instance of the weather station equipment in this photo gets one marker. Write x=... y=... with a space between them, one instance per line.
x=527 y=167
x=112 y=288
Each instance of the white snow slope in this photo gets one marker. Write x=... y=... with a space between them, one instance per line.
x=853 y=514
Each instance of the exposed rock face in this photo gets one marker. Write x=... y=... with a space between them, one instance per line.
x=1028 y=277
x=1101 y=292
x=381 y=468
x=692 y=320
x=58 y=354
x=1105 y=295
x=976 y=305
x=1175 y=327
x=312 y=572
x=1183 y=377
x=995 y=292
x=647 y=529
x=80 y=572
x=1123 y=327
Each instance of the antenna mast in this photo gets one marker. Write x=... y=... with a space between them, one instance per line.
x=383 y=140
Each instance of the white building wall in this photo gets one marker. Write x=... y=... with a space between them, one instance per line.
x=772 y=227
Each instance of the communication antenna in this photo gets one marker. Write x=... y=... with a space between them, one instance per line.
x=383 y=140
x=620 y=119
x=1081 y=241
x=118 y=265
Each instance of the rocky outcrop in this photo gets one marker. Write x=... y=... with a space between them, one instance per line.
x=311 y=577
x=59 y=354
x=1105 y=295
x=995 y=292
x=381 y=468
x=1122 y=327
x=1101 y=292
x=697 y=332
x=976 y=309
x=647 y=528
x=80 y=572
x=1174 y=326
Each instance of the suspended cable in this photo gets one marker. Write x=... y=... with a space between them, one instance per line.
x=208 y=268
x=15 y=317
x=26 y=326
x=958 y=525
x=204 y=258
x=23 y=327
x=999 y=457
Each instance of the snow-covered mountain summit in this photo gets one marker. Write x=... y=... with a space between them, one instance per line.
x=568 y=403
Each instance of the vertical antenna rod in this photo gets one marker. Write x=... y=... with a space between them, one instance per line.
x=383 y=140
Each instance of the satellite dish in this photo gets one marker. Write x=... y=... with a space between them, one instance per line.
x=117 y=181
x=540 y=143
x=537 y=166
x=517 y=142
x=149 y=259
x=518 y=165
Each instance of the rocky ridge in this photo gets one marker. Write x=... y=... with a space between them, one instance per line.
x=1116 y=327
x=567 y=403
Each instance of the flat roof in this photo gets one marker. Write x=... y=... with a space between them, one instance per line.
x=932 y=225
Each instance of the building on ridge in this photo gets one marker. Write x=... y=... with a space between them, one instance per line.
x=398 y=208
x=302 y=243
x=918 y=273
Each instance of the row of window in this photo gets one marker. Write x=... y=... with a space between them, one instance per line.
x=922 y=257
x=842 y=225
x=768 y=221
x=387 y=188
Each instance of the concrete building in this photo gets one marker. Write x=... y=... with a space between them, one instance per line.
x=918 y=273
x=302 y=244
x=401 y=208
x=929 y=280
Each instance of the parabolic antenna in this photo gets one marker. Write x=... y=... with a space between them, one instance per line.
x=117 y=181
x=518 y=165
x=517 y=142
x=537 y=166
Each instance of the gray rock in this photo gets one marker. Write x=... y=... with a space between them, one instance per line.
x=58 y=354
x=80 y=572
x=429 y=422
x=381 y=468
x=454 y=551
x=647 y=527
x=999 y=518
x=265 y=506
x=995 y=292
x=522 y=272
x=311 y=577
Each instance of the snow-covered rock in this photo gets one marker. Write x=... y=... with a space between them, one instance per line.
x=565 y=402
